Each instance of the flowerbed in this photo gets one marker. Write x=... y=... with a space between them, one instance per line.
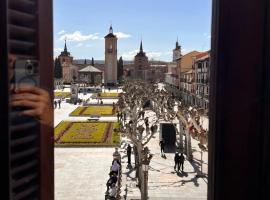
x=61 y=94
x=93 y=110
x=87 y=134
x=106 y=95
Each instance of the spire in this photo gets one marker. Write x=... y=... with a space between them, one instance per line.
x=111 y=29
x=141 y=47
x=177 y=46
x=65 y=48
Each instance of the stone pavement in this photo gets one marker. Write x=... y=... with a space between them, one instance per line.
x=164 y=182
x=81 y=173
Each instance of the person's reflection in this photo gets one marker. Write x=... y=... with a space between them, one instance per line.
x=36 y=100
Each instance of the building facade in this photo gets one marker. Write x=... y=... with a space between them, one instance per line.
x=141 y=65
x=202 y=71
x=70 y=71
x=110 y=76
x=90 y=75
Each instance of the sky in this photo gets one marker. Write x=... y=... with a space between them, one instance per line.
x=158 y=23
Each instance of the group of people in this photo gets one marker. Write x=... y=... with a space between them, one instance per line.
x=179 y=159
x=57 y=102
x=120 y=116
x=112 y=181
x=179 y=162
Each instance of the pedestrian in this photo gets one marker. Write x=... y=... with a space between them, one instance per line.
x=101 y=102
x=181 y=161
x=118 y=116
x=115 y=166
x=143 y=114
x=146 y=122
x=129 y=154
x=121 y=116
x=176 y=161
x=109 y=89
x=111 y=181
x=59 y=103
x=162 y=144
x=125 y=116
x=55 y=104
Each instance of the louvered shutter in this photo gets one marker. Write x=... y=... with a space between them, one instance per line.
x=29 y=174
x=24 y=132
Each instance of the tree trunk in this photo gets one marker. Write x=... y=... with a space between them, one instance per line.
x=188 y=146
x=136 y=156
x=181 y=145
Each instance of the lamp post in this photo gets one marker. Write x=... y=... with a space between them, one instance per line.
x=145 y=167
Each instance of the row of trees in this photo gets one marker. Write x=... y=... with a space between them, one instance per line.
x=139 y=96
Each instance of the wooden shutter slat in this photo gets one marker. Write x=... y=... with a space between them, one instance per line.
x=25 y=193
x=22 y=33
x=23 y=180
x=22 y=5
x=23 y=126
x=24 y=140
x=22 y=154
x=23 y=167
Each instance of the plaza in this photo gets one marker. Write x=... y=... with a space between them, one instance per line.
x=82 y=173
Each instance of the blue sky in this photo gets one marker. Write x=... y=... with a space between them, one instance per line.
x=158 y=22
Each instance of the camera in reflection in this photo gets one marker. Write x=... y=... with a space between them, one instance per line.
x=26 y=72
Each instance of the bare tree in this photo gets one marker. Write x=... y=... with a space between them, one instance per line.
x=137 y=98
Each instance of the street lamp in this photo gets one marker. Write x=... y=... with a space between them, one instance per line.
x=145 y=168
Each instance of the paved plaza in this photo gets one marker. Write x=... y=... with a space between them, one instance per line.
x=81 y=173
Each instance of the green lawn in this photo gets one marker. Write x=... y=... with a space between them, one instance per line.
x=93 y=110
x=87 y=134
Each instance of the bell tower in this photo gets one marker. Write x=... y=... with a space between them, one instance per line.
x=110 y=77
x=176 y=51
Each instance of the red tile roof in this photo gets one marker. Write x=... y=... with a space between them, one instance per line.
x=202 y=54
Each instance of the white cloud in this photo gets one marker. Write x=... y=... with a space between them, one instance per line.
x=61 y=32
x=79 y=45
x=121 y=35
x=79 y=37
x=154 y=54
x=168 y=53
x=89 y=45
x=57 y=50
x=129 y=55
x=150 y=54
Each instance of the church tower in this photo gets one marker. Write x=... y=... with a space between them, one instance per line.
x=110 y=77
x=176 y=51
x=65 y=56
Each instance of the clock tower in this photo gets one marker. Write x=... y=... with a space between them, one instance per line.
x=176 y=51
x=110 y=77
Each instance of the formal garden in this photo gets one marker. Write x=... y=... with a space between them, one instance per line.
x=72 y=134
x=101 y=110
x=61 y=94
x=105 y=95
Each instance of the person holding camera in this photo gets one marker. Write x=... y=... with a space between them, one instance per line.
x=36 y=101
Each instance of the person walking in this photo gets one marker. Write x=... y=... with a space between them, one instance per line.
x=176 y=161
x=59 y=103
x=181 y=161
x=129 y=154
x=162 y=145
x=118 y=116
x=55 y=104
